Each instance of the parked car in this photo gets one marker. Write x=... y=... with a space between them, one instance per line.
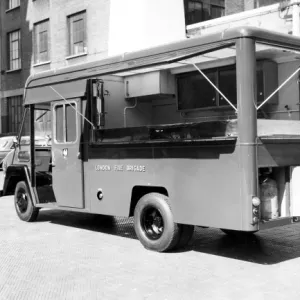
x=8 y=151
x=6 y=145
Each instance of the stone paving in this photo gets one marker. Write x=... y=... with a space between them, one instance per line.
x=68 y=255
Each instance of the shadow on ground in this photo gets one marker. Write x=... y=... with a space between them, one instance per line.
x=266 y=247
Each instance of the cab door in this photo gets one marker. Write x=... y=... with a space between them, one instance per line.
x=67 y=167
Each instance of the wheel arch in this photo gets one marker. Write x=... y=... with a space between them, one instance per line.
x=139 y=191
x=14 y=174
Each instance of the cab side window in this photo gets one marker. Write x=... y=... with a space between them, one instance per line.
x=71 y=133
x=59 y=116
x=65 y=123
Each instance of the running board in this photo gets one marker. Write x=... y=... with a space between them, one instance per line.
x=54 y=205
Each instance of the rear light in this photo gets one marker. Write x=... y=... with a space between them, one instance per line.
x=255 y=201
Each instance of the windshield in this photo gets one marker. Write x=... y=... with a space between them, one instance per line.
x=42 y=127
x=42 y=124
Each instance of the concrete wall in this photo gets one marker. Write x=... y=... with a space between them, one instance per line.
x=137 y=24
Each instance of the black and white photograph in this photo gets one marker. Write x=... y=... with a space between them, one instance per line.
x=149 y=149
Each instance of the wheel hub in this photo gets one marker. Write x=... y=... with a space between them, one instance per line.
x=22 y=202
x=152 y=223
x=157 y=221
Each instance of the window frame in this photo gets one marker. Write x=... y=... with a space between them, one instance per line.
x=208 y=72
x=217 y=83
x=10 y=4
x=15 y=113
x=37 y=41
x=70 y=24
x=258 y=4
x=10 y=50
x=217 y=6
x=73 y=102
x=209 y=4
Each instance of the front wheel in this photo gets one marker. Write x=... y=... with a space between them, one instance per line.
x=154 y=224
x=23 y=203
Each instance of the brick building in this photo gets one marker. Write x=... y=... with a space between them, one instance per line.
x=37 y=35
x=15 y=56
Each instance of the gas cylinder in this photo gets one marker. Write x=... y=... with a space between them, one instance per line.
x=269 y=199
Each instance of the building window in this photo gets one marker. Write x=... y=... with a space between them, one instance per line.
x=261 y=3
x=77 y=33
x=14 y=113
x=14 y=53
x=41 y=42
x=13 y=4
x=195 y=92
x=202 y=10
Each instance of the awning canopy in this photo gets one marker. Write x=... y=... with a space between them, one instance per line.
x=71 y=81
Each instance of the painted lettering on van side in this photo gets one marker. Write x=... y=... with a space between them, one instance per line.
x=121 y=168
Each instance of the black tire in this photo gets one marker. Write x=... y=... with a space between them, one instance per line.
x=185 y=234
x=104 y=220
x=23 y=203
x=154 y=223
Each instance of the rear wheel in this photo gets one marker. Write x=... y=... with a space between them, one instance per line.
x=154 y=223
x=23 y=203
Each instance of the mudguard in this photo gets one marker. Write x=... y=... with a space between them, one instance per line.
x=14 y=174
